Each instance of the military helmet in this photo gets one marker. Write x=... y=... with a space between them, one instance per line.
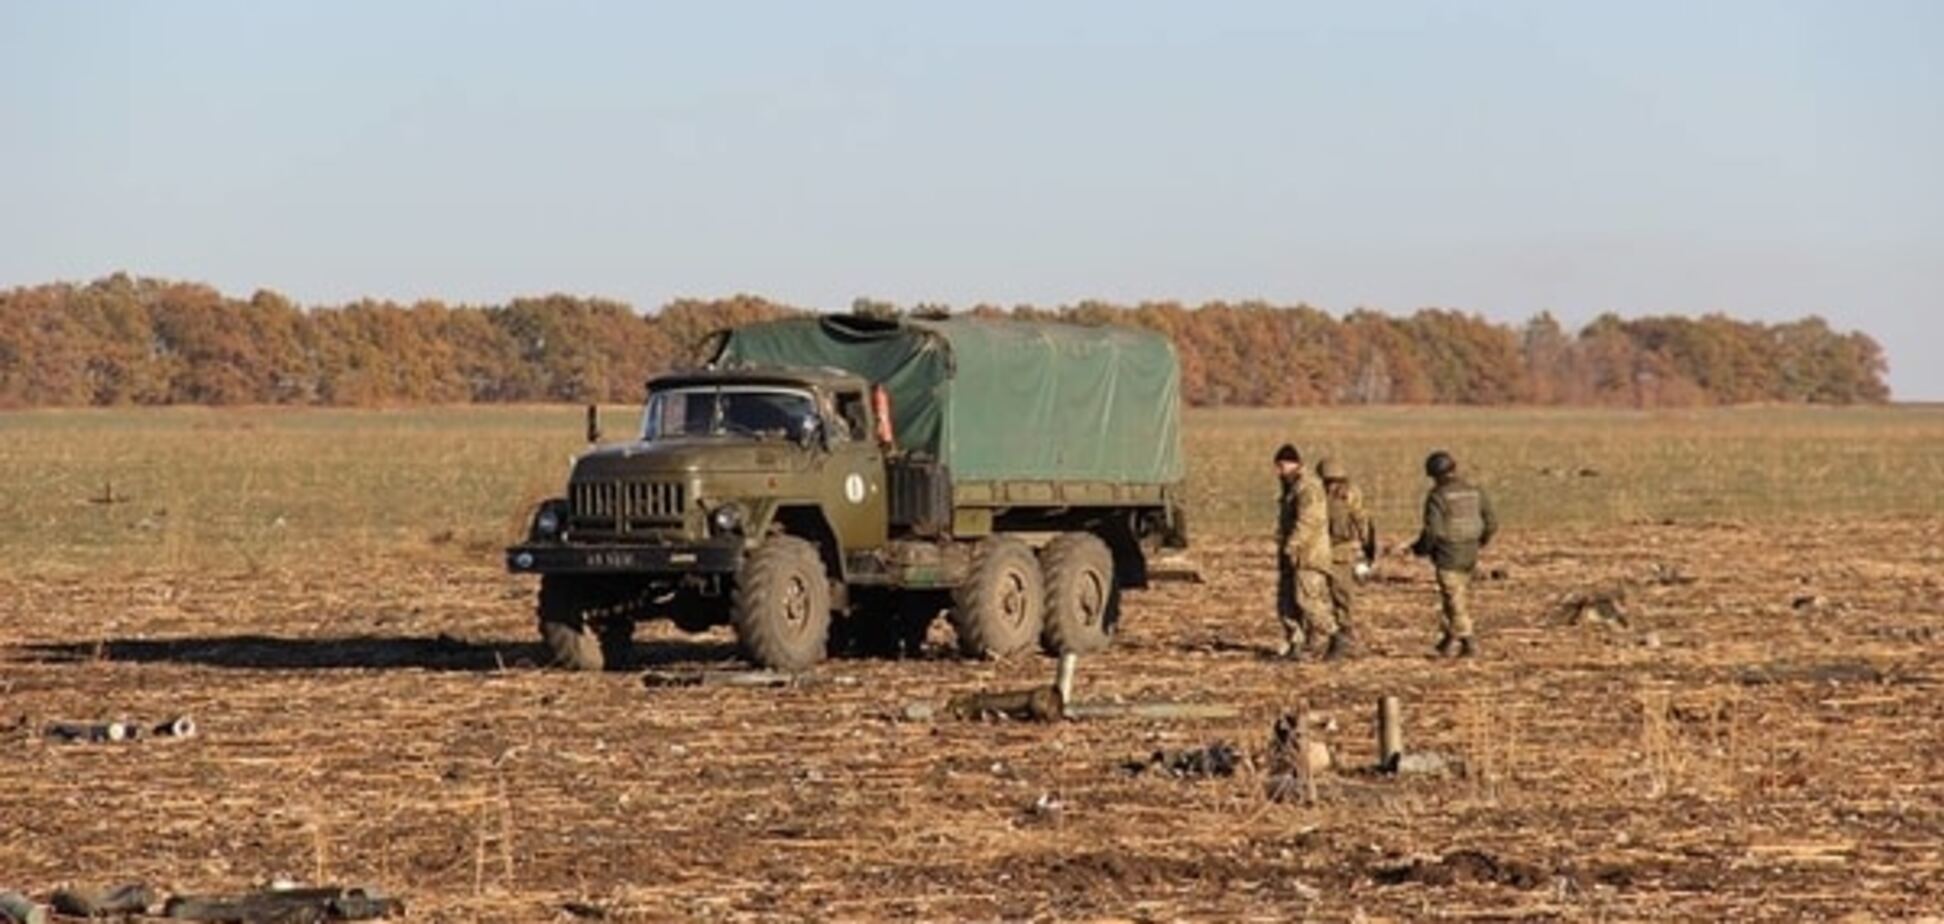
x=1439 y=464
x=1287 y=453
x=1331 y=470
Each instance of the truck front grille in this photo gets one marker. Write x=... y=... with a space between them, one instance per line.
x=620 y=506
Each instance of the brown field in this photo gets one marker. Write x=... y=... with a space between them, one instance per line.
x=320 y=590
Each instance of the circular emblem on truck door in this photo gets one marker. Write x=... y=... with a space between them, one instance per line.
x=854 y=489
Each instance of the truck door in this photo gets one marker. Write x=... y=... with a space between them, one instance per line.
x=855 y=502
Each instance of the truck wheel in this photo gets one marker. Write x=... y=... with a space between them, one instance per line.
x=1001 y=607
x=1082 y=600
x=579 y=635
x=781 y=605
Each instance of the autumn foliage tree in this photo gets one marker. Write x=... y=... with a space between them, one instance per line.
x=123 y=340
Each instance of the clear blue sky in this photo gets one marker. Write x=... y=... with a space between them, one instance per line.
x=1766 y=159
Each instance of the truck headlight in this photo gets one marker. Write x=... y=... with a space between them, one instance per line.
x=728 y=518
x=550 y=521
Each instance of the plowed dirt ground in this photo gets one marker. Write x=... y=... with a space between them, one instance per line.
x=1759 y=741
x=1728 y=755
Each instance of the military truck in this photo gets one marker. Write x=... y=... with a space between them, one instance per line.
x=844 y=477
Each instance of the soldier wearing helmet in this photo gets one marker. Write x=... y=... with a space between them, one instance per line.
x=1303 y=556
x=1458 y=521
x=1353 y=548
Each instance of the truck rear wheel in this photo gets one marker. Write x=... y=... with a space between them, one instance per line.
x=1001 y=607
x=1082 y=599
x=581 y=626
x=781 y=605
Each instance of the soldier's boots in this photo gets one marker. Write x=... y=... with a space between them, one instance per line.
x=1342 y=645
x=1291 y=650
x=1467 y=648
x=1447 y=646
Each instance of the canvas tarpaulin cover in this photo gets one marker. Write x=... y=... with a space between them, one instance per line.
x=1001 y=400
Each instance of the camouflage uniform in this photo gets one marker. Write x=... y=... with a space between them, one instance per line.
x=1303 y=559
x=1458 y=521
x=1353 y=539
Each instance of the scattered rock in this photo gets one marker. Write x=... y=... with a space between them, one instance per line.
x=1046 y=808
x=1604 y=605
x=1667 y=575
x=1650 y=641
x=918 y=712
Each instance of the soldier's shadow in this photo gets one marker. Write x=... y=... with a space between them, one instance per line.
x=357 y=652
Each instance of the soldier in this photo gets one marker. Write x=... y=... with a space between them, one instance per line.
x=1458 y=521
x=1303 y=556
x=1353 y=548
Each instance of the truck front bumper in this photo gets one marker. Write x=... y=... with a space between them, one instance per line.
x=536 y=558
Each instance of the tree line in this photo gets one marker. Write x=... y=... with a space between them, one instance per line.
x=123 y=340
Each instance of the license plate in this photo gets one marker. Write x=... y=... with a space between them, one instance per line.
x=611 y=559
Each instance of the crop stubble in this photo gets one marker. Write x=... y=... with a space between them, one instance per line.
x=369 y=714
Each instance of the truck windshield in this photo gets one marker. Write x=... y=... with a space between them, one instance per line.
x=713 y=410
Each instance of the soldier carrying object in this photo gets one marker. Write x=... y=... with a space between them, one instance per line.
x=1458 y=521
x=1353 y=549
x=1303 y=557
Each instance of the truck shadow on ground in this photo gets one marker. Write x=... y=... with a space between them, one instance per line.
x=358 y=652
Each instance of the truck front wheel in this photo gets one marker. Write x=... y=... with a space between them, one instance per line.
x=582 y=625
x=1001 y=607
x=1082 y=600
x=781 y=605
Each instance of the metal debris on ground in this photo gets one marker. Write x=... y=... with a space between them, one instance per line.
x=100 y=732
x=584 y=910
x=754 y=679
x=1219 y=758
x=126 y=899
x=1039 y=704
x=16 y=908
x=1832 y=672
x=1152 y=710
x=285 y=906
x=1810 y=603
x=91 y=733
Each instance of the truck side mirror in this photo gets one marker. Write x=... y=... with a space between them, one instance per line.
x=593 y=423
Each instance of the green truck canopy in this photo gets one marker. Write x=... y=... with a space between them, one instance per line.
x=1001 y=400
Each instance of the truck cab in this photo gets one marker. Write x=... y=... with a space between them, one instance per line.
x=725 y=462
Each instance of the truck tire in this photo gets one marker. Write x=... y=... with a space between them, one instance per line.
x=781 y=605
x=1082 y=599
x=1000 y=609
x=578 y=626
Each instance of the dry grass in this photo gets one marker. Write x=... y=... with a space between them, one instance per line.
x=368 y=711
